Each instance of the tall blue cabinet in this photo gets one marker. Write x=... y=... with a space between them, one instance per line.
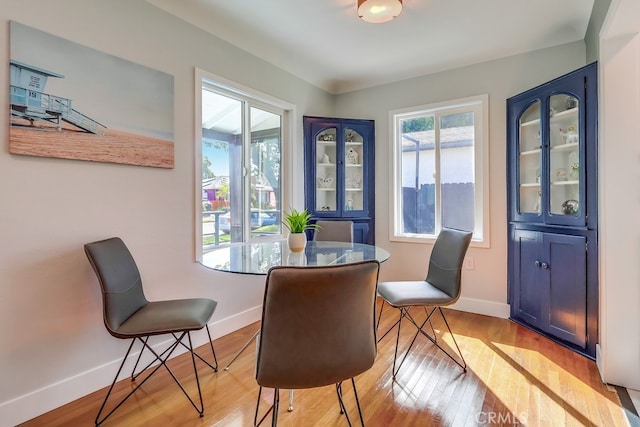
x=552 y=209
x=340 y=172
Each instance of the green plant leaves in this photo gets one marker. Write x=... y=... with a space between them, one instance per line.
x=298 y=221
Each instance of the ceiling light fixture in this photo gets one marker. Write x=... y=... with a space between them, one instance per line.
x=379 y=11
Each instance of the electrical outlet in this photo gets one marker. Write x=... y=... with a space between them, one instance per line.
x=468 y=263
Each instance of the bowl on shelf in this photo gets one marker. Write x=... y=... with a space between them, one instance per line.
x=570 y=207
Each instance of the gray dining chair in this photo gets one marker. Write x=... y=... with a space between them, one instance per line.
x=318 y=328
x=334 y=231
x=127 y=314
x=441 y=288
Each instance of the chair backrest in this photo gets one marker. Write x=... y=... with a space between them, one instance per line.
x=447 y=256
x=120 y=281
x=318 y=325
x=334 y=231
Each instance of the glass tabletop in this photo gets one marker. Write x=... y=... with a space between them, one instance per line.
x=258 y=258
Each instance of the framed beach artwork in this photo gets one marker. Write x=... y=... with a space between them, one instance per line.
x=73 y=102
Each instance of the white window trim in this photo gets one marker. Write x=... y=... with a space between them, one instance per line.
x=288 y=131
x=482 y=173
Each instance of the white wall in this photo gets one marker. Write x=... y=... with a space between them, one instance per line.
x=619 y=150
x=592 y=37
x=54 y=347
x=485 y=287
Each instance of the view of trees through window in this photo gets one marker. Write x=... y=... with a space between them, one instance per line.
x=428 y=123
x=241 y=185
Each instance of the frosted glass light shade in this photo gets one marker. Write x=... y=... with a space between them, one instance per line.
x=379 y=11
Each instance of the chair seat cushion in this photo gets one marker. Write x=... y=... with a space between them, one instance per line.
x=161 y=317
x=418 y=292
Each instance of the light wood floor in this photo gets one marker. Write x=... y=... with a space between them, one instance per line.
x=514 y=377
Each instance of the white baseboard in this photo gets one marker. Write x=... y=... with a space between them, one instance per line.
x=477 y=306
x=635 y=398
x=599 y=362
x=37 y=402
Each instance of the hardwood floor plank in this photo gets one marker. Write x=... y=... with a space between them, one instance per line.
x=514 y=376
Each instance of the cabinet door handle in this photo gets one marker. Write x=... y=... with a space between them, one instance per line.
x=545 y=265
x=538 y=263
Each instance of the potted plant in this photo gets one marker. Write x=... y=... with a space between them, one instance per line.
x=297 y=222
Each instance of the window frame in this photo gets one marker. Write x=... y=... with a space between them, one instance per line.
x=253 y=98
x=480 y=106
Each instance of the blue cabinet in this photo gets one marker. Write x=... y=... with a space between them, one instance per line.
x=340 y=172
x=552 y=209
x=551 y=270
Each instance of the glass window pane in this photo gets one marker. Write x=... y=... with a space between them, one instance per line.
x=354 y=171
x=564 y=156
x=241 y=144
x=418 y=174
x=326 y=195
x=221 y=169
x=265 y=195
x=457 y=170
x=439 y=175
x=530 y=160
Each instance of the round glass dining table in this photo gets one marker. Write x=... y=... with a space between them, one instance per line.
x=259 y=257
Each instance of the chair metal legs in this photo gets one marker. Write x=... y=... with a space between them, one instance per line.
x=215 y=359
x=343 y=409
x=290 y=408
x=378 y=323
x=162 y=359
x=244 y=347
x=380 y=316
x=134 y=375
x=273 y=410
x=404 y=313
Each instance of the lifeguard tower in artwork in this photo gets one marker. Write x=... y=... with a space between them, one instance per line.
x=29 y=101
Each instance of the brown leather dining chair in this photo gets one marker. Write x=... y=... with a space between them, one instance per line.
x=127 y=314
x=441 y=288
x=334 y=231
x=318 y=329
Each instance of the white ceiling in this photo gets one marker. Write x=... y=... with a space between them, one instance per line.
x=324 y=43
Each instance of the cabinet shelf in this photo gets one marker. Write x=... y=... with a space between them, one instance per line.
x=326 y=142
x=557 y=116
x=530 y=184
x=530 y=123
x=325 y=189
x=353 y=189
x=565 y=147
x=563 y=114
x=326 y=165
x=570 y=182
x=353 y=143
x=531 y=152
x=350 y=165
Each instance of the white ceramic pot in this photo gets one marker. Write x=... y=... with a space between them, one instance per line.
x=297 y=242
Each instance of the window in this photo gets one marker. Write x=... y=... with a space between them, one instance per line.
x=240 y=137
x=440 y=162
